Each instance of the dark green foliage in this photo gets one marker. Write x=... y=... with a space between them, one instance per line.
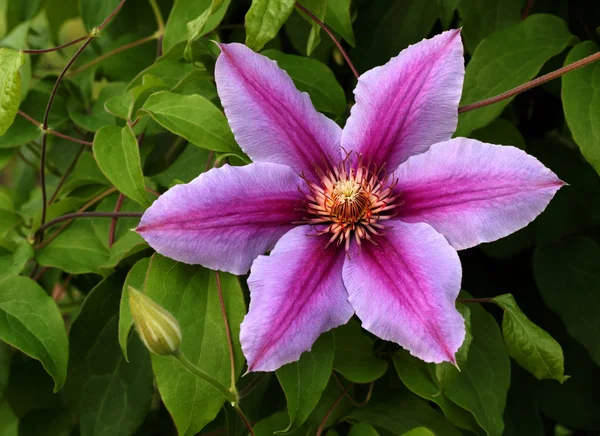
x=138 y=112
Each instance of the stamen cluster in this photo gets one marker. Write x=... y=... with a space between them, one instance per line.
x=351 y=201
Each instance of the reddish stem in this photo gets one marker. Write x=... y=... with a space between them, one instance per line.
x=476 y=300
x=113 y=221
x=227 y=330
x=332 y=36
x=54 y=133
x=60 y=47
x=74 y=215
x=532 y=84
x=331 y=409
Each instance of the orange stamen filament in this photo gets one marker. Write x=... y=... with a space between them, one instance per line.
x=351 y=201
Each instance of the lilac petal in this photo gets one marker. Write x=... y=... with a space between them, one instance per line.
x=472 y=192
x=409 y=103
x=272 y=121
x=226 y=217
x=404 y=290
x=296 y=294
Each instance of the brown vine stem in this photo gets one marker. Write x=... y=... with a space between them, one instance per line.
x=476 y=300
x=114 y=52
x=60 y=47
x=62 y=74
x=228 y=333
x=245 y=421
x=352 y=400
x=331 y=409
x=71 y=216
x=53 y=132
x=83 y=208
x=113 y=221
x=332 y=36
x=532 y=84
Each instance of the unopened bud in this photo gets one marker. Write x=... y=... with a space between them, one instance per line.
x=158 y=329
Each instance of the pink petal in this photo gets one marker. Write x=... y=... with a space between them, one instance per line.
x=404 y=289
x=226 y=217
x=272 y=121
x=296 y=294
x=409 y=103
x=472 y=192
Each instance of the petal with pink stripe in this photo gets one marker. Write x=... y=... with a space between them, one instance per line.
x=271 y=120
x=409 y=103
x=226 y=217
x=404 y=289
x=296 y=293
x=472 y=192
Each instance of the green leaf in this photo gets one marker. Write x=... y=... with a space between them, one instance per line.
x=185 y=11
x=568 y=276
x=270 y=425
x=8 y=216
x=192 y=117
x=264 y=20
x=189 y=293
x=338 y=18
x=401 y=412
x=581 y=102
x=330 y=395
x=195 y=27
x=94 y=12
x=315 y=78
x=10 y=86
x=304 y=381
x=75 y=250
x=139 y=94
x=415 y=375
x=5 y=354
x=533 y=348
x=354 y=357
x=388 y=26
x=13 y=262
x=93 y=120
x=506 y=59
x=111 y=396
x=446 y=9
x=445 y=372
x=318 y=8
x=135 y=278
x=419 y=431
x=31 y=322
x=117 y=153
x=482 y=385
x=188 y=165
x=9 y=423
x=363 y=429
x=79 y=250
x=481 y=18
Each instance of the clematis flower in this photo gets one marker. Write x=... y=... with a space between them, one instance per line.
x=363 y=220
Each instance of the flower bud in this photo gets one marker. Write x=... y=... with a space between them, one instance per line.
x=158 y=329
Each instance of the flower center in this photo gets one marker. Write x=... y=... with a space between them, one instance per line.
x=350 y=202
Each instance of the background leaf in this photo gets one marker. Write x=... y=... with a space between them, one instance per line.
x=192 y=117
x=117 y=153
x=582 y=107
x=491 y=71
x=31 y=322
x=10 y=86
x=305 y=380
x=189 y=293
x=566 y=275
x=111 y=396
x=533 y=348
